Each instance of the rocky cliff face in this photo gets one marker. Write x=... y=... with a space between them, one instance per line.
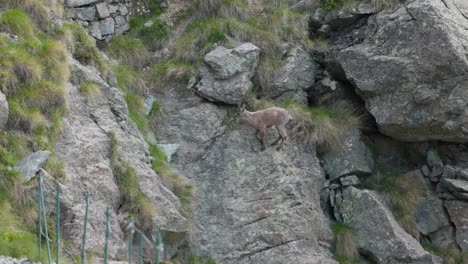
x=404 y=67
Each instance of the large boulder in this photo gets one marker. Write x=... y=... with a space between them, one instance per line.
x=411 y=70
x=352 y=157
x=377 y=232
x=458 y=188
x=226 y=78
x=295 y=75
x=4 y=111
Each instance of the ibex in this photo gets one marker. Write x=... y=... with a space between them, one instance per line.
x=266 y=118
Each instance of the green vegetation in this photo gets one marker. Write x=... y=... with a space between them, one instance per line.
x=83 y=47
x=135 y=201
x=130 y=79
x=129 y=50
x=162 y=73
x=172 y=179
x=346 y=247
x=136 y=109
x=450 y=256
x=155 y=109
x=90 y=88
x=200 y=260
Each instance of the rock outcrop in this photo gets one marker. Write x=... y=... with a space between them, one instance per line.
x=411 y=70
x=377 y=232
x=227 y=77
x=30 y=165
x=296 y=75
x=85 y=135
x=250 y=206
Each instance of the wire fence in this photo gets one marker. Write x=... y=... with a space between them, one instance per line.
x=43 y=232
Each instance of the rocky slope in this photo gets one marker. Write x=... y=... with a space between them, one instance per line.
x=403 y=66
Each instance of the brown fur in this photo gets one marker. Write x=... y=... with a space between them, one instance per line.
x=266 y=118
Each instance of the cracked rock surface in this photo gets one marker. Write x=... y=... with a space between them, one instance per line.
x=250 y=206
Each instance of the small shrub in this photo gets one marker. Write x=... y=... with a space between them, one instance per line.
x=90 y=88
x=345 y=242
x=129 y=50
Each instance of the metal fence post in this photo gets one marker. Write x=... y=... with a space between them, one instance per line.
x=45 y=218
x=83 y=251
x=107 y=235
x=159 y=246
x=39 y=216
x=58 y=225
x=140 y=259
x=130 y=240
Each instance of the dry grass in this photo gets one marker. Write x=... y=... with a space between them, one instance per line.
x=56 y=57
x=37 y=9
x=130 y=79
x=90 y=88
x=163 y=73
x=345 y=242
x=129 y=50
x=326 y=127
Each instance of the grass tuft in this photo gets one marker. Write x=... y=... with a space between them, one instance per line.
x=17 y=22
x=90 y=88
x=200 y=260
x=161 y=74
x=136 y=109
x=134 y=200
x=129 y=50
x=345 y=243
x=172 y=180
x=130 y=79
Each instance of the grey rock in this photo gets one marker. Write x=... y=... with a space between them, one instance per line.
x=425 y=170
x=455 y=185
x=148 y=23
x=112 y=79
x=353 y=157
x=169 y=150
x=113 y=8
x=123 y=10
x=376 y=230
x=349 y=180
x=297 y=96
x=462 y=174
x=149 y=100
x=449 y=172
x=30 y=165
x=107 y=26
x=84 y=146
x=231 y=91
x=95 y=30
x=4 y=111
x=458 y=211
x=76 y=3
x=339 y=203
x=102 y=10
x=431 y=218
x=334 y=186
x=120 y=21
x=250 y=206
x=85 y=13
x=435 y=164
x=227 y=63
x=398 y=78
x=297 y=73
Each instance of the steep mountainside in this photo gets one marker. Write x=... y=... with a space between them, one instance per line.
x=135 y=104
